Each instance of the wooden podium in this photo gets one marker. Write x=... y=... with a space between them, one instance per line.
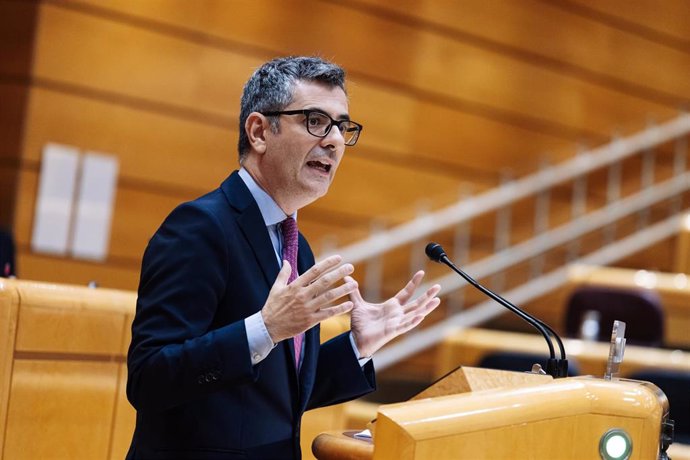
x=509 y=415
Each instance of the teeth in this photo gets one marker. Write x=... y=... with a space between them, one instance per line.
x=317 y=164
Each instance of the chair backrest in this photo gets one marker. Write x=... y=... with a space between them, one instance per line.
x=676 y=386
x=520 y=362
x=641 y=310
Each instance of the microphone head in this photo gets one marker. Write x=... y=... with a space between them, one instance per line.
x=435 y=252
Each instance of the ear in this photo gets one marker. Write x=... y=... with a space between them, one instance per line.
x=256 y=127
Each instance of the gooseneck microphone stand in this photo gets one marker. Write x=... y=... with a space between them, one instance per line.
x=557 y=368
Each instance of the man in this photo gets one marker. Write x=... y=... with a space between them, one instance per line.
x=225 y=354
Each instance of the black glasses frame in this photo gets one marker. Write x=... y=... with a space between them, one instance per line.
x=306 y=112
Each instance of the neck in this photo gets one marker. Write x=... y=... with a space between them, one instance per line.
x=255 y=172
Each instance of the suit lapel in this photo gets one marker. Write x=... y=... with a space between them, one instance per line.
x=252 y=225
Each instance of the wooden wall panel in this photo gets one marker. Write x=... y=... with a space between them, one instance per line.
x=81 y=392
x=550 y=35
x=412 y=59
x=17 y=28
x=152 y=147
x=451 y=96
x=406 y=129
x=137 y=62
x=668 y=19
x=70 y=271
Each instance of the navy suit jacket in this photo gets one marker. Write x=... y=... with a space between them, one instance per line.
x=209 y=266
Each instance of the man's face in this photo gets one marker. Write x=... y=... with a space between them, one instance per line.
x=297 y=167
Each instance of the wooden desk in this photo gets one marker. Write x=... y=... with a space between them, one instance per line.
x=493 y=415
x=673 y=289
x=468 y=346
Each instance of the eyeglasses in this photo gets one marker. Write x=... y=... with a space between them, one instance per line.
x=319 y=124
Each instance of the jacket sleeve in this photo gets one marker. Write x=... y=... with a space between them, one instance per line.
x=339 y=377
x=176 y=355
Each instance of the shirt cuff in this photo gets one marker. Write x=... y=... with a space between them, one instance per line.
x=362 y=361
x=260 y=343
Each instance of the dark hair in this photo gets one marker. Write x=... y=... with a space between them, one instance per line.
x=270 y=88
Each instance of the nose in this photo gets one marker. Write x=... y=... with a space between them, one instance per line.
x=334 y=139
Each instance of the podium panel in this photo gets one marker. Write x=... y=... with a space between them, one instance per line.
x=508 y=415
x=563 y=419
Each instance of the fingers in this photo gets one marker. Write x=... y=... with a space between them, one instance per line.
x=283 y=274
x=355 y=295
x=336 y=310
x=422 y=302
x=413 y=319
x=319 y=269
x=406 y=293
x=330 y=295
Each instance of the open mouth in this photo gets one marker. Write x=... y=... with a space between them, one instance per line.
x=325 y=167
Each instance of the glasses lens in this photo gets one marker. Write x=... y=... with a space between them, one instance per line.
x=318 y=124
x=350 y=132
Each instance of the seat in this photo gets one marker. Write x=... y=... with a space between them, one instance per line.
x=676 y=386
x=520 y=362
x=641 y=310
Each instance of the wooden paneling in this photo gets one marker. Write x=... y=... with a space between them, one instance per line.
x=66 y=387
x=152 y=147
x=553 y=37
x=124 y=418
x=409 y=58
x=451 y=95
x=396 y=123
x=138 y=63
x=661 y=20
x=71 y=271
x=47 y=393
x=56 y=329
x=17 y=28
x=8 y=327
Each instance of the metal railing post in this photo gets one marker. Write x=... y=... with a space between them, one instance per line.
x=374 y=269
x=578 y=207
x=680 y=153
x=502 y=232
x=541 y=224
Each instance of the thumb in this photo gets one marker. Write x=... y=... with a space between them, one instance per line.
x=284 y=273
x=355 y=295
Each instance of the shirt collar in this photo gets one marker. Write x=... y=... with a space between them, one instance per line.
x=270 y=210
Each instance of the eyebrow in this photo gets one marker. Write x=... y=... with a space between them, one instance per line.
x=342 y=117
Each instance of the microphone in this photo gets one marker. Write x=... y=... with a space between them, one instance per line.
x=555 y=367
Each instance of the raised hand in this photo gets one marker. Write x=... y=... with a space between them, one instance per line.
x=374 y=325
x=293 y=308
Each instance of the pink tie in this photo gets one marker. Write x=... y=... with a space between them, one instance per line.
x=289 y=229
